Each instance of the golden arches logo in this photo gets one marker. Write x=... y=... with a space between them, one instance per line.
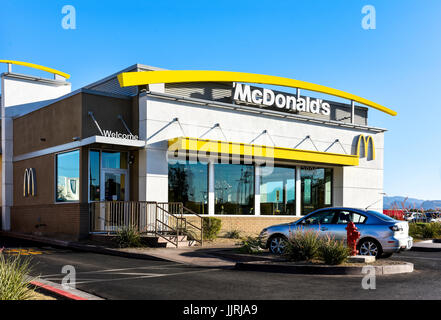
x=29 y=183
x=365 y=141
x=128 y=79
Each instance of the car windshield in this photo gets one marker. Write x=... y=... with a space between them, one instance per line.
x=381 y=216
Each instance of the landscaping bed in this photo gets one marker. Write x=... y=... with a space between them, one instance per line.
x=307 y=253
x=382 y=267
x=425 y=231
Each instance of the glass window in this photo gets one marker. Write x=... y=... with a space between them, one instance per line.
x=114 y=160
x=344 y=217
x=316 y=188
x=68 y=176
x=188 y=183
x=94 y=175
x=277 y=191
x=323 y=217
x=234 y=189
x=381 y=216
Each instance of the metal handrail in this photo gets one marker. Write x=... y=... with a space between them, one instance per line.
x=167 y=239
x=111 y=216
x=201 y=229
x=168 y=226
x=146 y=216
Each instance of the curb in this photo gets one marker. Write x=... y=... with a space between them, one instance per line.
x=56 y=289
x=425 y=249
x=262 y=266
x=239 y=258
x=80 y=247
x=427 y=246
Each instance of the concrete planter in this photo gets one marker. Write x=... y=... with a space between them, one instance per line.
x=287 y=267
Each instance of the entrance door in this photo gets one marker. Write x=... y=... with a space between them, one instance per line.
x=114 y=185
x=114 y=176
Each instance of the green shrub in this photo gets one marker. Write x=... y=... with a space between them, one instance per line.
x=212 y=227
x=233 y=234
x=415 y=230
x=128 y=238
x=425 y=230
x=303 y=245
x=14 y=280
x=333 y=252
x=250 y=245
x=431 y=230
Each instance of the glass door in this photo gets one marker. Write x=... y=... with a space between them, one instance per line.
x=115 y=186
x=114 y=178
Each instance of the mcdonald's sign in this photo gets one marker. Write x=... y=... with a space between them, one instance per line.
x=366 y=141
x=29 y=183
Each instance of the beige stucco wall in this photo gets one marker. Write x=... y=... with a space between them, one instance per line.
x=251 y=225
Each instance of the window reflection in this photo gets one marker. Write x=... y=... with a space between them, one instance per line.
x=94 y=175
x=277 y=191
x=68 y=176
x=115 y=160
x=234 y=189
x=187 y=183
x=114 y=186
x=316 y=188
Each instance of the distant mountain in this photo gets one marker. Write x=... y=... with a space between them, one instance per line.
x=388 y=203
x=433 y=204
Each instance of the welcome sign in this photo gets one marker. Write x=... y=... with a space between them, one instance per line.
x=119 y=135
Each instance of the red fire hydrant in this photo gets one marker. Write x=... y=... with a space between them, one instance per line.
x=353 y=236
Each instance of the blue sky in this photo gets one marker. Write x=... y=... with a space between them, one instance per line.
x=398 y=64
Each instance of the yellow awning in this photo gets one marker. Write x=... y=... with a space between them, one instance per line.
x=203 y=146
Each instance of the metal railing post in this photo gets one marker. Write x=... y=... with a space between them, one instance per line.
x=202 y=230
x=156 y=219
x=177 y=232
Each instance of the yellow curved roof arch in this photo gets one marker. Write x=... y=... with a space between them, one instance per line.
x=36 y=66
x=127 y=79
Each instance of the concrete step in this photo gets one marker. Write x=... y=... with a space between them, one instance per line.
x=181 y=244
x=172 y=238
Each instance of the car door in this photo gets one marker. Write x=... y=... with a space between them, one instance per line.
x=343 y=217
x=319 y=222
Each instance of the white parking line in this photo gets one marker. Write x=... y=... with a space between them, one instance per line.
x=164 y=266
x=151 y=275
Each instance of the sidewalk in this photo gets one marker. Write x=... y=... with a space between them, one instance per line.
x=199 y=256
x=427 y=246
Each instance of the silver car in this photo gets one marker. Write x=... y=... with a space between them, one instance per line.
x=381 y=235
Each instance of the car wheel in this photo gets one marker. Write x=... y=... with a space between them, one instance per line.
x=370 y=247
x=277 y=244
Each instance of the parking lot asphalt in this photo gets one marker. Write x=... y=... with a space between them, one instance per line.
x=113 y=277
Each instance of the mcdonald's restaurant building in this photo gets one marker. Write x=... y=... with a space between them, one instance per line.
x=224 y=144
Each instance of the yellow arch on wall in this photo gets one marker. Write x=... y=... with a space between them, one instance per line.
x=128 y=79
x=366 y=145
x=36 y=66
